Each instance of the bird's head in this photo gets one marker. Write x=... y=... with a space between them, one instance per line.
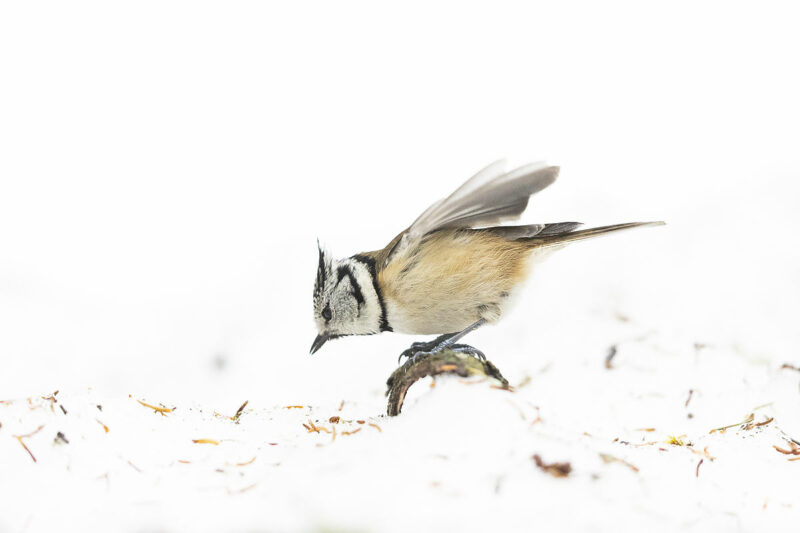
x=346 y=299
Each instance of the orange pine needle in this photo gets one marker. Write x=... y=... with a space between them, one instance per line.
x=161 y=410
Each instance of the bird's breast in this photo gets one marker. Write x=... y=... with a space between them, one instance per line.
x=451 y=280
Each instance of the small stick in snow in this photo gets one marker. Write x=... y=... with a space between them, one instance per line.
x=538 y=419
x=240 y=491
x=691 y=391
x=315 y=429
x=704 y=453
x=607 y=458
x=794 y=449
x=638 y=444
x=235 y=417
x=206 y=441
x=752 y=425
x=747 y=420
x=52 y=399
x=697 y=470
x=612 y=351
x=27 y=435
x=26 y=448
x=160 y=410
x=787 y=437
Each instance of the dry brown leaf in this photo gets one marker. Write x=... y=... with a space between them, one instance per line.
x=554 y=469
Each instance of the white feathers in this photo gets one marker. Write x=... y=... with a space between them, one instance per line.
x=345 y=299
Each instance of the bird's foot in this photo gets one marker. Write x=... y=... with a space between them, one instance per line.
x=469 y=350
x=425 y=346
x=419 y=350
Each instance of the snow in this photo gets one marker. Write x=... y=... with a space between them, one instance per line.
x=165 y=170
x=460 y=455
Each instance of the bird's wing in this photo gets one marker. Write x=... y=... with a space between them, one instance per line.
x=513 y=233
x=489 y=197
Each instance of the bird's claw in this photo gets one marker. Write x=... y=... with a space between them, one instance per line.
x=424 y=349
x=469 y=350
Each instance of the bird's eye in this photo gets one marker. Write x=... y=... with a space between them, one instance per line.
x=326 y=313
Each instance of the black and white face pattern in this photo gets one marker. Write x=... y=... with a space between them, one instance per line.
x=346 y=300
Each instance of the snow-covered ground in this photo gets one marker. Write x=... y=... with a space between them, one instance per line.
x=637 y=438
x=165 y=170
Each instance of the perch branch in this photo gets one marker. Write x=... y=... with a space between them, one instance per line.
x=447 y=361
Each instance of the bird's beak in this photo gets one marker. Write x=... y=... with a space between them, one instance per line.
x=318 y=342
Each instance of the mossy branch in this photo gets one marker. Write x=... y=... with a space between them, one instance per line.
x=444 y=362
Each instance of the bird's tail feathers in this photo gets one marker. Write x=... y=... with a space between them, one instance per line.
x=567 y=237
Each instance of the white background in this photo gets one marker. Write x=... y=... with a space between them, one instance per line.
x=165 y=169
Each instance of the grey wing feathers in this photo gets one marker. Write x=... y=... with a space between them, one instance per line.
x=491 y=196
x=558 y=228
x=513 y=233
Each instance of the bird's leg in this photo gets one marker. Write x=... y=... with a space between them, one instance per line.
x=448 y=340
x=425 y=346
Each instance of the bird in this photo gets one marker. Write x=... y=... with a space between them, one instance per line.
x=454 y=269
